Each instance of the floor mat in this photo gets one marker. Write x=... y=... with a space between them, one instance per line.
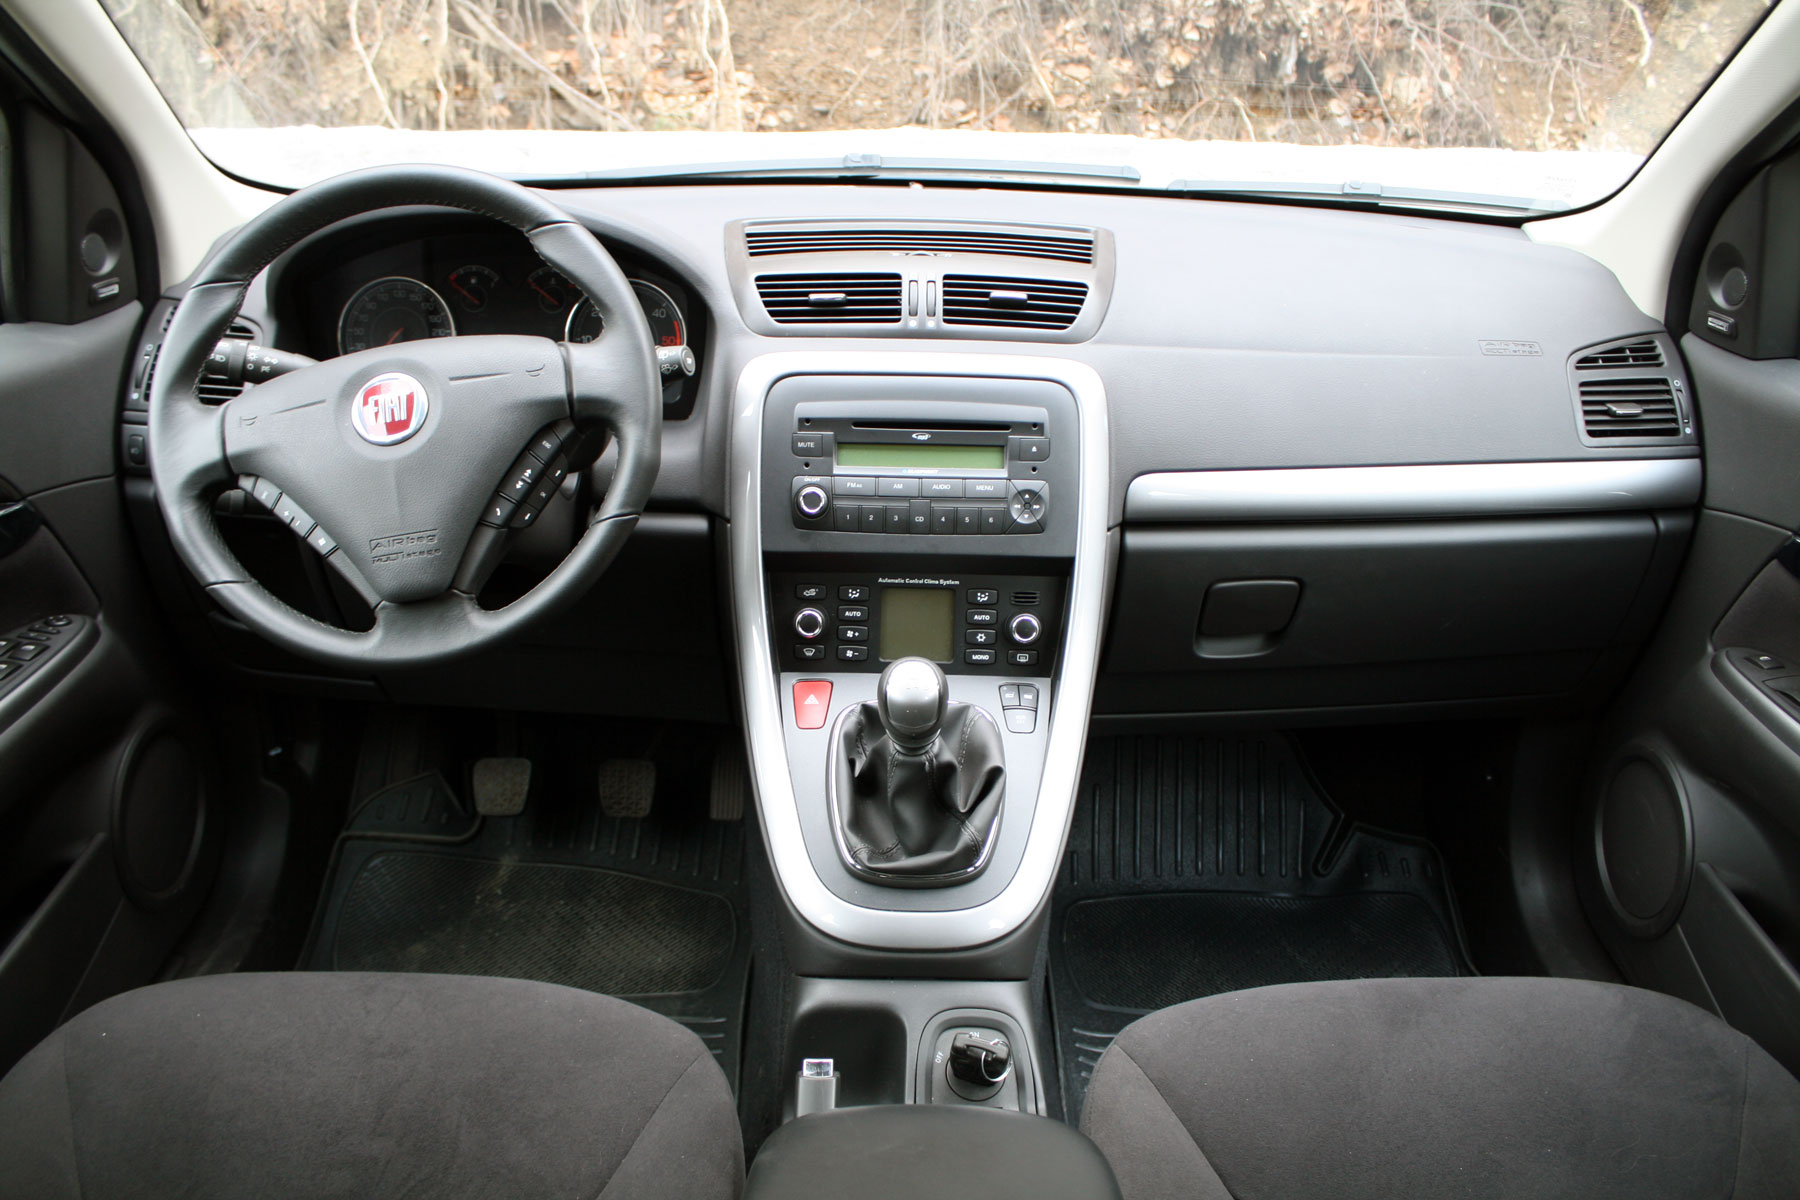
x=1204 y=865
x=651 y=909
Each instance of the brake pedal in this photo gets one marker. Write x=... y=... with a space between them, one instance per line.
x=500 y=786
x=627 y=787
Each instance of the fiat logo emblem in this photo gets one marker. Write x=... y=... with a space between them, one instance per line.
x=390 y=408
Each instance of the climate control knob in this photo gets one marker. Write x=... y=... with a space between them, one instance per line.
x=811 y=500
x=809 y=623
x=1025 y=629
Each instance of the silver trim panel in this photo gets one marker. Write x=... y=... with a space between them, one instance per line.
x=1071 y=696
x=1453 y=490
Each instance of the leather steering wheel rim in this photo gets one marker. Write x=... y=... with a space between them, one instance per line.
x=483 y=392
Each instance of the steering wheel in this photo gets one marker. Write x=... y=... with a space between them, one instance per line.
x=407 y=465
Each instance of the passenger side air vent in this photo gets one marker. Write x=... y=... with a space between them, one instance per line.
x=1012 y=303
x=214 y=388
x=1070 y=247
x=1640 y=354
x=1630 y=408
x=838 y=299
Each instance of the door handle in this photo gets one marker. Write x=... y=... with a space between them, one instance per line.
x=19 y=519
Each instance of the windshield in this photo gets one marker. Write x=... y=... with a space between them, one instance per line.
x=1526 y=105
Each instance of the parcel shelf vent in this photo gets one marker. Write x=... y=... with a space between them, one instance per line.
x=1629 y=408
x=214 y=388
x=1644 y=353
x=1005 y=302
x=862 y=298
x=1060 y=247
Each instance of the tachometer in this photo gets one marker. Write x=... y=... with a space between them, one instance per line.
x=667 y=326
x=396 y=308
x=473 y=286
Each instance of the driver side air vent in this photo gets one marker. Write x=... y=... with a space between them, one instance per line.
x=1643 y=353
x=215 y=388
x=1010 y=302
x=835 y=299
x=1634 y=408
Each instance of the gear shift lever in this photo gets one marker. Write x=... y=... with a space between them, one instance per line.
x=911 y=699
x=917 y=781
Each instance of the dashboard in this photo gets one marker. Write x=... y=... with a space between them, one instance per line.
x=1346 y=461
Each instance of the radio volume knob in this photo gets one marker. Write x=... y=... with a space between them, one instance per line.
x=809 y=623
x=811 y=500
x=1025 y=629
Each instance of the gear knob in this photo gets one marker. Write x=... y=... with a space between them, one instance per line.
x=910 y=699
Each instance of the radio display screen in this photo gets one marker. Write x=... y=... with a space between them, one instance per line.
x=920 y=454
x=919 y=621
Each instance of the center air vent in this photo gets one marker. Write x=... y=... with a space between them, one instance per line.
x=1630 y=408
x=836 y=299
x=1645 y=353
x=1012 y=303
x=1070 y=247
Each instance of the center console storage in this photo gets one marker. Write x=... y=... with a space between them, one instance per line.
x=904 y=1152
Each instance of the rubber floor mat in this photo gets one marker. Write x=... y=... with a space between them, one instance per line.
x=1205 y=865
x=652 y=909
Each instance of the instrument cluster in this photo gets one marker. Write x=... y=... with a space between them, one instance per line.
x=478 y=283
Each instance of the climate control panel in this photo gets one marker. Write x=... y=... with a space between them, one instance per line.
x=968 y=623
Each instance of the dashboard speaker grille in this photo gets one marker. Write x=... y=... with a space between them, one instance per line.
x=1012 y=303
x=1643 y=353
x=1075 y=248
x=1629 y=408
x=862 y=298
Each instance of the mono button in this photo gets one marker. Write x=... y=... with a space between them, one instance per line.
x=809 y=623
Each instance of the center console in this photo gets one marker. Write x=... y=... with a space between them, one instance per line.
x=919 y=550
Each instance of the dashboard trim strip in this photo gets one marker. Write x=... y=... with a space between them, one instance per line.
x=1072 y=693
x=1436 y=490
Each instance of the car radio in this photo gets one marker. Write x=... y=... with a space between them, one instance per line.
x=979 y=474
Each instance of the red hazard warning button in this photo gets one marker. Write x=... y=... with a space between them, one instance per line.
x=812 y=700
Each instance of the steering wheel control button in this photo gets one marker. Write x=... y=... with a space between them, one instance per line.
x=812 y=703
x=389 y=408
x=524 y=517
x=294 y=516
x=321 y=541
x=1025 y=629
x=809 y=623
x=499 y=511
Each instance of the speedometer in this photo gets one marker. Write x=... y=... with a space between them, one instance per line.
x=396 y=308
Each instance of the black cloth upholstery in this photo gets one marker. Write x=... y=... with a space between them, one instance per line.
x=301 y=1085
x=1423 y=1088
x=919 y=817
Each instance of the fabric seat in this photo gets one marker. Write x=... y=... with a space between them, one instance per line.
x=1428 y=1088
x=368 y=1085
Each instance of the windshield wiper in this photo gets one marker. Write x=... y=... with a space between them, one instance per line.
x=1356 y=194
x=859 y=166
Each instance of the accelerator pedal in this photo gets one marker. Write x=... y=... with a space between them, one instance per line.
x=500 y=786
x=627 y=787
x=730 y=782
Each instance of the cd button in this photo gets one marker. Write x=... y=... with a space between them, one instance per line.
x=919 y=516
